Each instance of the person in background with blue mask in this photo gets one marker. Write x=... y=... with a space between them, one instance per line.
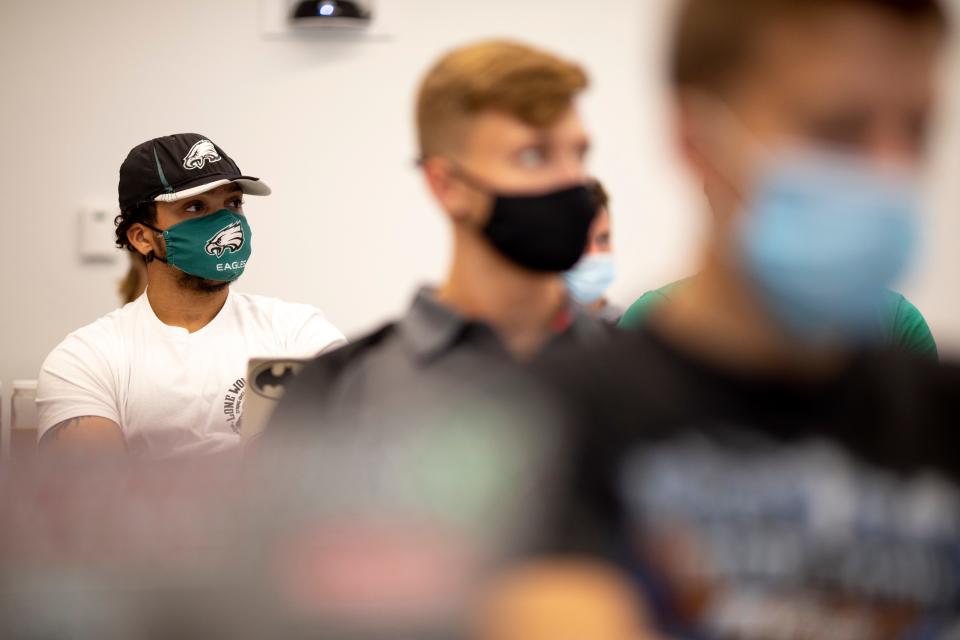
x=590 y=278
x=754 y=453
x=164 y=375
x=887 y=317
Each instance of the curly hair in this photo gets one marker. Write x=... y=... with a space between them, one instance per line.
x=143 y=212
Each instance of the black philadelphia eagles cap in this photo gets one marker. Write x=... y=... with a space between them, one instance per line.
x=179 y=166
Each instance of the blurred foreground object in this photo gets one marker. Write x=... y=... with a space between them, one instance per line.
x=562 y=599
x=343 y=539
x=752 y=456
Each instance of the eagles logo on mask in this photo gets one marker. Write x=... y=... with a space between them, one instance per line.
x=229 y=238
x=214 y=247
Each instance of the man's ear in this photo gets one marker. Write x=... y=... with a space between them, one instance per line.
x=436 y=171
x=690 y=133
x=141 y=239
x=450 y=192
x=709 y=152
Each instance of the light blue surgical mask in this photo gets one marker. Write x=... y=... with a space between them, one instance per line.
x=823 y=236
x=590 y=278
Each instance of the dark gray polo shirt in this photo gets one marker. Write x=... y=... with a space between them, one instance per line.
x=429 y=418
x=431 y=365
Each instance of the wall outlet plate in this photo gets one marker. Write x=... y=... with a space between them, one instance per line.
x=97 y=233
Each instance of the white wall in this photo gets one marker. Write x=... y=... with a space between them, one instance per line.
x=327 y=122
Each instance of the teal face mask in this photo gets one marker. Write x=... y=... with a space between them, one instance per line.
x=212 y=247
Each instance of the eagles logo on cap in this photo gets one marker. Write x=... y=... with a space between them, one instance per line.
x=202 y=152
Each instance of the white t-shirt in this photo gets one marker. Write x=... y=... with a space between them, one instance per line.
x=174 y=392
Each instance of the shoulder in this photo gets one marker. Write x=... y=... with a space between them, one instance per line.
x=80 y=375
x=102 y=336
x=897 y=305
x=296 y=329
x=637 y=313
x=327 y=366
x=316 y=386
x=279 y=314
x=906 y=325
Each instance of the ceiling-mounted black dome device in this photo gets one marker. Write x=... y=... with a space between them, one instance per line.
x=332 y=13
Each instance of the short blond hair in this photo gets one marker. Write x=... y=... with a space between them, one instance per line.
x=497 y=75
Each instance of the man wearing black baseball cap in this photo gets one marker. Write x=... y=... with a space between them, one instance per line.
x=164 y=375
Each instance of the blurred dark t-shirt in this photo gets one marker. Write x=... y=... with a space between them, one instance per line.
x=758 y=507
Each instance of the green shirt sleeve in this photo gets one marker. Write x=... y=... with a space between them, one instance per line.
x=909 y=329
x=904 y=326
x=639 y=311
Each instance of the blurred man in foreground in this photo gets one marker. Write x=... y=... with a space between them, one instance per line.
x=764 y=472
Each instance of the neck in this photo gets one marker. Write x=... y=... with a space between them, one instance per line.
x=178 y=306
x=519 y=304
x=717 y=317
x=597 y=305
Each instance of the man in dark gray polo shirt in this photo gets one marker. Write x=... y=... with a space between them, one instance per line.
x=503 y=153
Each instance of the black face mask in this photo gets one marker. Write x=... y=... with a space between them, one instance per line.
x=544 y=232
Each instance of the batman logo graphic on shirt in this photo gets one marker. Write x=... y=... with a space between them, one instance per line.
x=271 y=377
x=230 y=238
x=200 y=154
